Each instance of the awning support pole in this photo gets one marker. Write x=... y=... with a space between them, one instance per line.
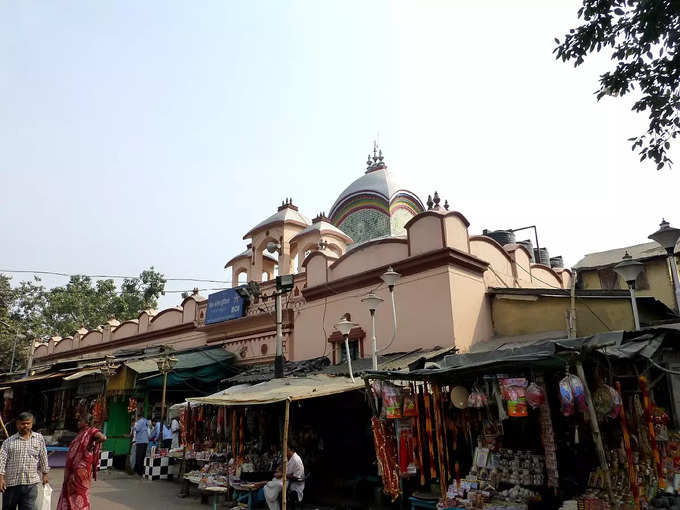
x=284 y=476
x=595 y=428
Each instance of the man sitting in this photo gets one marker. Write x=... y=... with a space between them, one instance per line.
x=295 y=474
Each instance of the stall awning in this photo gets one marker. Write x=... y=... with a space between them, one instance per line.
x=82 y=373
x=205 y=366
x=279 y=390
x=542 y=354
x=34 y=378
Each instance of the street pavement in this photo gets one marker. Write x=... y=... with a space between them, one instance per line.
x=115 y=490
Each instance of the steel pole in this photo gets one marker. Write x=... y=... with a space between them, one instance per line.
x=349 y=357
x=633 y=302
x=165 y=382
x=374 y=346
x=676 y=283
x=278 y=361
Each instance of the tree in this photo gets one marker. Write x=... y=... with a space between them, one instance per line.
x=644 y=38
x=37 y=312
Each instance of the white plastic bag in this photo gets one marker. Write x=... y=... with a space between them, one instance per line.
x=45 y=500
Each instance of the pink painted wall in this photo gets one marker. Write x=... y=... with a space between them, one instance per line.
x=423 y=304
x=471 y=308
x=368 y=256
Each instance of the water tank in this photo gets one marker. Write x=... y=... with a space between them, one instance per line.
x=529 y=246
x=556 y=261
x=542 y=257
x=502 y=237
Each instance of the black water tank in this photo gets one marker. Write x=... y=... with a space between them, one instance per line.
x=557 y=261
x=543 y=257
x=502 y=237
x=529 y=246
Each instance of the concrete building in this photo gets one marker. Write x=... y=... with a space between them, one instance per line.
x=456 y=289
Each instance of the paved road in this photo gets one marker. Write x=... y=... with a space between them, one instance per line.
x=115 y=490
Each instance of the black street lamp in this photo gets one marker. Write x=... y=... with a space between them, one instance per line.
x=667 y=237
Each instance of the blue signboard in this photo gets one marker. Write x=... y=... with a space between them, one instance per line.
x=224 y=306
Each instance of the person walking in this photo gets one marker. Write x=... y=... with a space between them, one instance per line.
x=23 y=461
x=141 y=442
x=82 y=462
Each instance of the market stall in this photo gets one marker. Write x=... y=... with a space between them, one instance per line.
x=239 y=434
x=567 y=422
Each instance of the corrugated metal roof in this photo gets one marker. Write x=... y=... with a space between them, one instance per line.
x=279 y=390
x=185 y=360
x=612 y=257
x=397 y=361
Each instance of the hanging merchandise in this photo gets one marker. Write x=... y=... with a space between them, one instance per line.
x=548 y=439
x=477 y=399
x=602 y=400
x=386 y=454
x=407 y=465
x=428 y=431
x=617 y=406
x=132 y=405
x=632 y=477
x=392 y=401
x=535 y=395
x=652 y=433
x=409 y=406
x=441 y=444
x=460 y=397
x=419 y=435
x=502 y=414
x=514 y=392
x=572 y=395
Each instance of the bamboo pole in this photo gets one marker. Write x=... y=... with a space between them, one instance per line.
x=285 y=455
x=595 y=428
x=3 y=427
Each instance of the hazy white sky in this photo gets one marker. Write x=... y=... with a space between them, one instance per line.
x=157 y=133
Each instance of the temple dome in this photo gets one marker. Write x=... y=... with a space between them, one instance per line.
x=374 y=205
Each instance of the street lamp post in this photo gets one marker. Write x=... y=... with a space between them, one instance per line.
x=390 y=278
x=667 y=237
x=344 y=326
x=629 y=270
x=165 y=365
x=373 y=301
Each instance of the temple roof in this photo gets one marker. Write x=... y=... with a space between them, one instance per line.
x=323 y=225
x=378 y=181
x=247 y=254
x=287 y=213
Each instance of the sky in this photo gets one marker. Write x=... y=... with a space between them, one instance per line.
x=157 y=133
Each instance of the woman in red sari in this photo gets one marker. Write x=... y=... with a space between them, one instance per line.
x=82 y=461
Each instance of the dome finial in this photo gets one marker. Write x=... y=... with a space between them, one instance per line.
x=429 y=202
x=436 y=200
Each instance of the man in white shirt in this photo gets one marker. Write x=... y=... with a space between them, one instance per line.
x=295 y=474
x=175 y=428
x=23 y=465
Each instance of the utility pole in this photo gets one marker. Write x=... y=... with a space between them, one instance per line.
x=284 y=283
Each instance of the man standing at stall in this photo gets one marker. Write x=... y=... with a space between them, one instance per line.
x=23 y=459
x=141 y=442
x=295 y=474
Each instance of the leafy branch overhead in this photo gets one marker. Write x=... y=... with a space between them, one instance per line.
x=34 y=311
x=644 y=39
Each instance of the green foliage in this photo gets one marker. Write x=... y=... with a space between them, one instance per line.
x=644 y=39
x=37 y=312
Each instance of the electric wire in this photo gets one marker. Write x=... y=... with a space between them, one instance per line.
x=112 y=276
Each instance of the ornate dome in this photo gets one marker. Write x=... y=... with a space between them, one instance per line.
x=375 y=205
